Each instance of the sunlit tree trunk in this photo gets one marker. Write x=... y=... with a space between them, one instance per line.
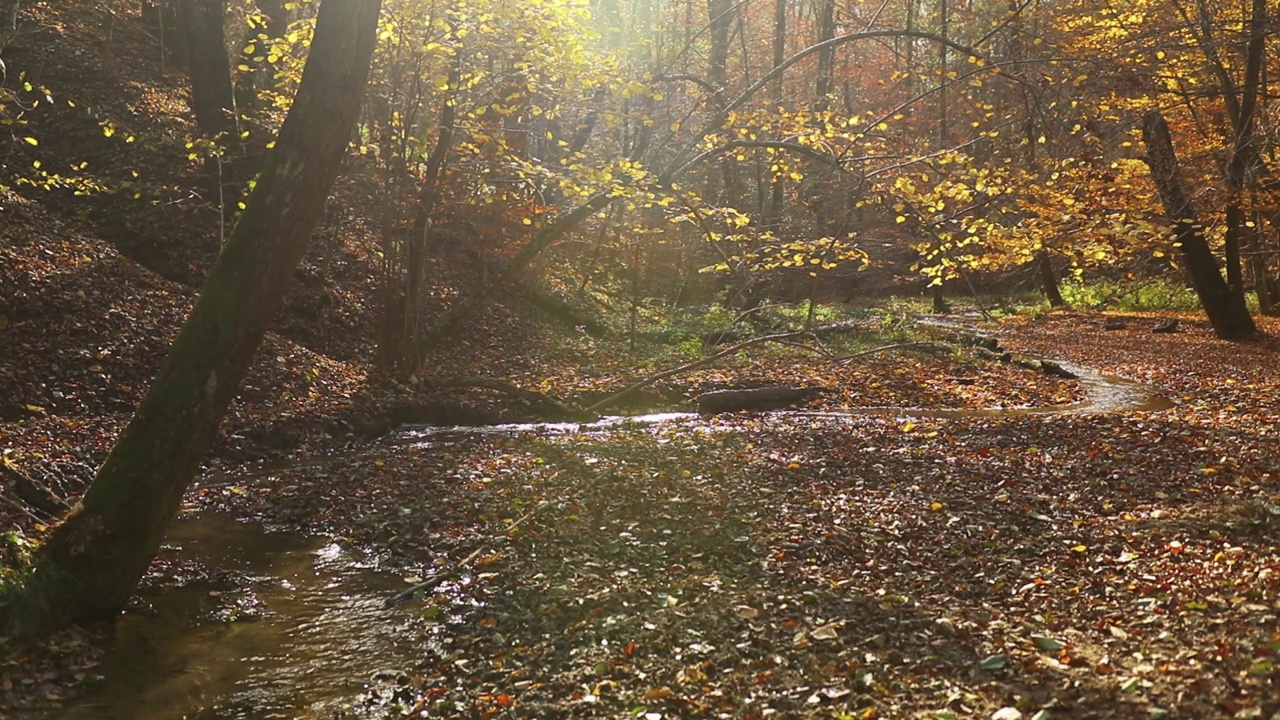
x=944 y=110
x=1245 y=158
x=773 y=214
x=91 y=563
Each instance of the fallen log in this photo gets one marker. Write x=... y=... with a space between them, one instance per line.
x=546 y=405
x=780 y=337
x=1049 y=367
x=766 y=398
x=35 y=494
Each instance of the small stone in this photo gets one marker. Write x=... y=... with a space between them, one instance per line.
x=945 y=626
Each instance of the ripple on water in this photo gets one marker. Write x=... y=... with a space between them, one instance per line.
x=322 y=633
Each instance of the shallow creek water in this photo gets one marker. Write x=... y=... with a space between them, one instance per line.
x=322 y=634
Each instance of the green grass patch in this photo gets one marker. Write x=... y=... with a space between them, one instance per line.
x=26 y=590
x=1151 y=295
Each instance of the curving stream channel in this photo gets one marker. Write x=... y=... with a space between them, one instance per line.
x=311 y=635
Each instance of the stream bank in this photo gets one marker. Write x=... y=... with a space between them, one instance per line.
x=279 y=624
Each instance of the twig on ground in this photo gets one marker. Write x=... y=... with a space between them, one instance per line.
x=23 y=508
x=816 y=349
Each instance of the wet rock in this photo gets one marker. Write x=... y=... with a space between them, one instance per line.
x=1049 y=367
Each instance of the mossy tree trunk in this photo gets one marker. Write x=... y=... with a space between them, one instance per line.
x=91 y=563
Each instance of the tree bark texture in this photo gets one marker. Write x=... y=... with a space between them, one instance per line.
x=8 y=21
x=8 y=26
x=95 y=558
x=1225 y=309
x=212 y=96
x=1049 y=280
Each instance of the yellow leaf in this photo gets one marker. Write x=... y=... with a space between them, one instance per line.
x=1079 y=549
x=908 y=427
x=935 y=506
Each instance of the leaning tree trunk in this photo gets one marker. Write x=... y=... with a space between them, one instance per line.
x=1225 y=309
x=92 y=562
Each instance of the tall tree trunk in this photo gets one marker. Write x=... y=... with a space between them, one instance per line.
x=8 y=21
x=92 y=561
x=1049 y=280
x=1245 y=157
x=8 y=26
x=213 y=98
x=773 y=213
x=944 y=111
x=212 y=95
x=721 y=14
x=720 y=17
x=1225 y=309
x=428 y=198
x=1262 y=286
x=166 y=16
x=826 y=58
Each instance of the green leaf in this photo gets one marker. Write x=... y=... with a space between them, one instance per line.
x=993 y=662
x=1047 y=644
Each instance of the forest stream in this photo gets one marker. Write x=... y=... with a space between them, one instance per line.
x=302 y=625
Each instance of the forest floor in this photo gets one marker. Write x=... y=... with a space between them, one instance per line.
x=1114 y=565
x=1118 y=565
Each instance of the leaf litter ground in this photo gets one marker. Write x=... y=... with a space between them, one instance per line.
x=867 y=566
x=1122 y=565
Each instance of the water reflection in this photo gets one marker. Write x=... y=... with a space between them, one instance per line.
x=320 y=632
